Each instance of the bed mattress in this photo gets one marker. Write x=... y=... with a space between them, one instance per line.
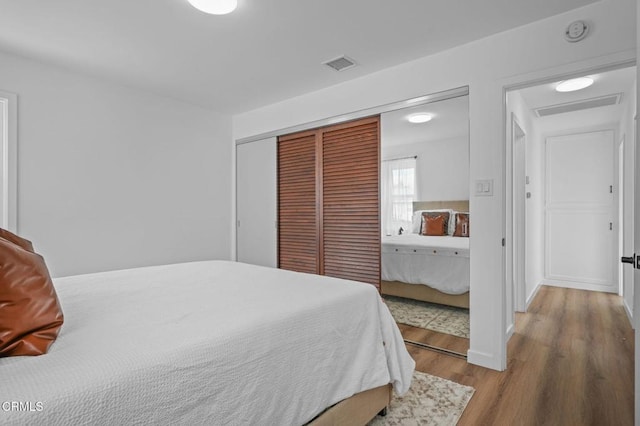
x=439 y=262
x=206 y=343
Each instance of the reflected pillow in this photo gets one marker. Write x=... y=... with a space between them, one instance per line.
x=31 y=317
x=435 y=223
x=462 y=225
x=417 y=220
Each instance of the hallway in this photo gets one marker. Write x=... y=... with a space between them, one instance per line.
x=570 y=362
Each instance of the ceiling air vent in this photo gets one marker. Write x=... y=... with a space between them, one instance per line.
x=579 y=105
x=341 y=63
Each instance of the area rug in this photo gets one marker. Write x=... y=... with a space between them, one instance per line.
x=431 y=401
x=440 y=318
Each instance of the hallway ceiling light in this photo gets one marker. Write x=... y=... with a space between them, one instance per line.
x=419 y=118
x=215 y=7
x=574 y=84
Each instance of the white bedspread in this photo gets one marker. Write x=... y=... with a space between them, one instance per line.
x=439 y=262
x=217 y=343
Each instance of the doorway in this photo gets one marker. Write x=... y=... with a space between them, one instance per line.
x=571 y=152
x=575 y=178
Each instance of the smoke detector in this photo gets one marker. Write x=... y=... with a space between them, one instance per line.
x=576 y=31
x=341 y=63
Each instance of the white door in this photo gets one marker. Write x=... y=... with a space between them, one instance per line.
x=256 y=195
x=636 y=273
x=579 y=211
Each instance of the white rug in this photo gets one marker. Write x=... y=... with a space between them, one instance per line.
x=431 y=401
x=440 y=318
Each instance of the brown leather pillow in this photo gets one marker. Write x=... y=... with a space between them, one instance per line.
x=462 y=225
x=25 y=244
x=30 y=313
x=435 y=223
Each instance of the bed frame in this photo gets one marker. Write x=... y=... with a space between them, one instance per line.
x=424 y=292
x=356 y=410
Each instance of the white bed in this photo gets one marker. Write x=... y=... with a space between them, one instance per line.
x=206 y=343
x=429 y=268
x=441 y=262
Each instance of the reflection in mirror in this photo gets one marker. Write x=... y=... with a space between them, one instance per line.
x=425 y=222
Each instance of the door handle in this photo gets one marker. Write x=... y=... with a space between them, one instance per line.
x=630 y=259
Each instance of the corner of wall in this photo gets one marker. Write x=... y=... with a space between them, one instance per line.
x=629 y=312
x=510 y=330
x=484 y=360
x=532 y=296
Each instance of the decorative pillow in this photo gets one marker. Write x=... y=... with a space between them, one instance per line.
x=30 y=317
x=435 y=223
x=462 y=225
x=25 y=244
x=417 y=220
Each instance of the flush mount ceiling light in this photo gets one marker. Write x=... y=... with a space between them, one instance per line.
x=215 y=7
x=420 y=117
x=574 y=84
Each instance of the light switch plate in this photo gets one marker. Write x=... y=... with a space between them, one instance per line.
x=484 y=187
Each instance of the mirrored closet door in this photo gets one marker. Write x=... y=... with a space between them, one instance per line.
x=425 y=222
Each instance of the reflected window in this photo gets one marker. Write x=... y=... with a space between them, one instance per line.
x=398 y=194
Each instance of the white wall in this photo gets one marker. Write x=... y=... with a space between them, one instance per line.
x=111 y=177
x=530 y=52
x=442 y=167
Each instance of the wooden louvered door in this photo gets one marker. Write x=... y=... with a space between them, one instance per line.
x=329 y=206
x=298 y=241
x=350 y=237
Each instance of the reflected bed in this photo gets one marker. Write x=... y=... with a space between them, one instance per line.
x=428 y=268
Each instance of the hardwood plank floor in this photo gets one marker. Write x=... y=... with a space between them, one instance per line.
x=570 y=362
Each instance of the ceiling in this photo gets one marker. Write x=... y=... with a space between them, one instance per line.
x=605 y=83
x=450 y=120
x=264 y=52
x=451 y=116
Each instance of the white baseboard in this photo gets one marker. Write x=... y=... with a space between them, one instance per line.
x=484 y=360
x=532 y=296
x=581 y=286
x=627 y=309
x=510 y=330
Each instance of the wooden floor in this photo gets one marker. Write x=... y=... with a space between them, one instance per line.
x=570 y=362
x=434 y=338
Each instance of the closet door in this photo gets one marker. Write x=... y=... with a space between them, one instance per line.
x=350 y=226
x=256 y=202
x=298 y=244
